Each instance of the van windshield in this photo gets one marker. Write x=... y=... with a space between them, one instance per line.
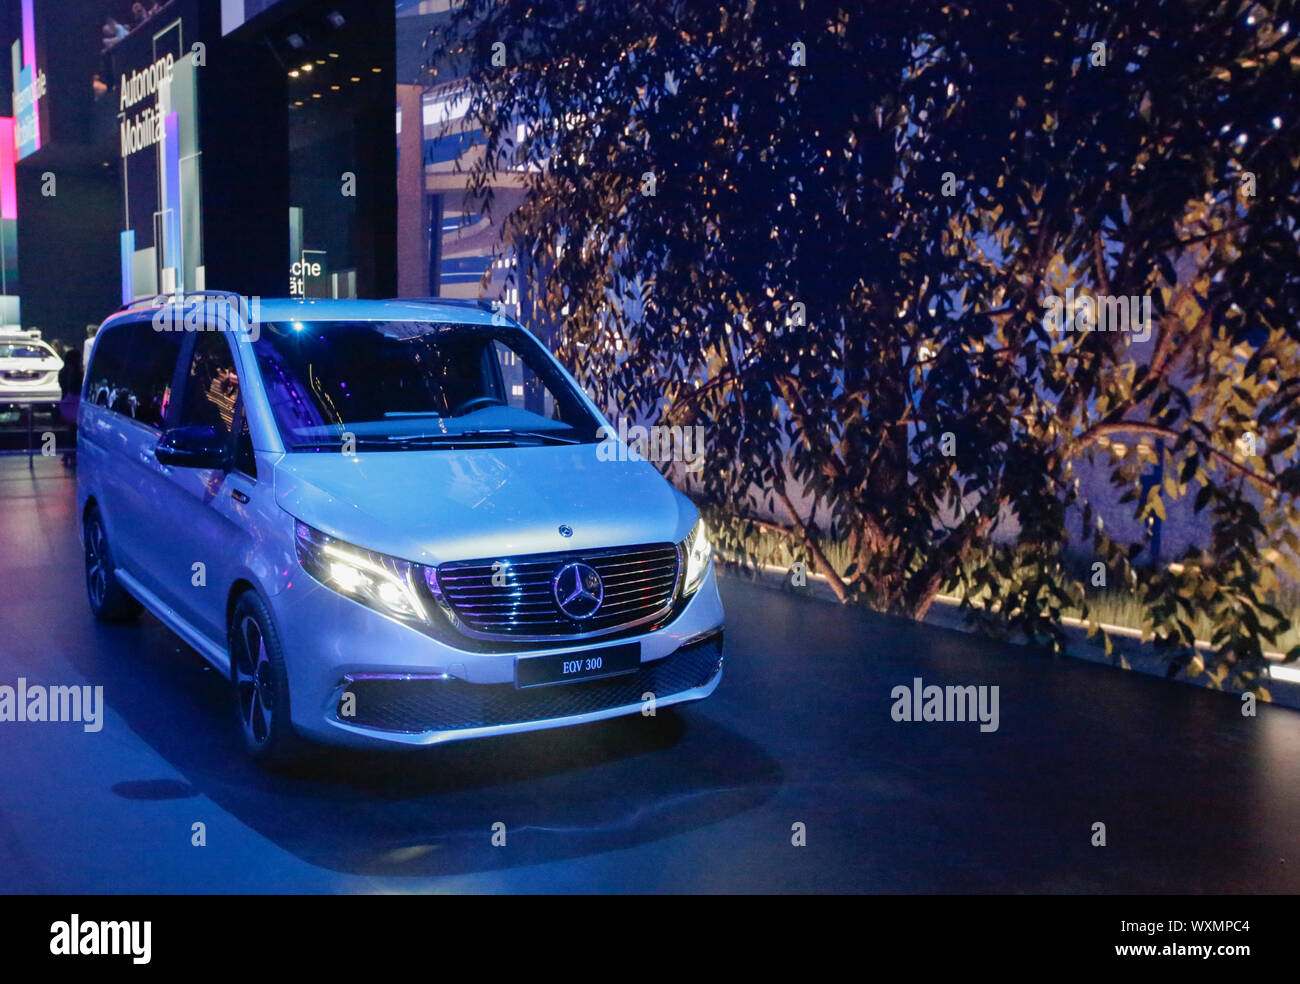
x=402 y=385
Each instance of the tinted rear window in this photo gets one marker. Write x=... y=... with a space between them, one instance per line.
x=25 y=351
x=131 y=371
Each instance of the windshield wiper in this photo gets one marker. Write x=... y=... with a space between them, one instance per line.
x=503 y=435
x=439 y=440
x=473 y=438
x=507 y=432
x=396 y=442
x=338 y=445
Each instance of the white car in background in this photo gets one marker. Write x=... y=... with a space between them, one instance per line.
x=29 y=368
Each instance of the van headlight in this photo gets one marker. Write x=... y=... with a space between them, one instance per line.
x=698 y=553
x=378 y=581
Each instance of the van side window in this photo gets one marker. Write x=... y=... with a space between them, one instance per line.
x=212 y=385
x=131 y=371
x=212 y=393
x=151 y=363
x=104 y=374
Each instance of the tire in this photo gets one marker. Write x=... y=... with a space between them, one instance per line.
x=109 y=601
x=261 y=685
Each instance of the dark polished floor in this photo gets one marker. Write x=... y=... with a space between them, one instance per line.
x=1195 y=797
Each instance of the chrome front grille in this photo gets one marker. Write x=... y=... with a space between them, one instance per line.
x=640 y=584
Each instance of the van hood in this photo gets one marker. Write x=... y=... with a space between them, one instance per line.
x=439 y=505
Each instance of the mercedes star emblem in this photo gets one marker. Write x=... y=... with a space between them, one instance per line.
x=578 y=590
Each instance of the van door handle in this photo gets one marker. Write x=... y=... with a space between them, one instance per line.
x=238 y=496
x=146 y=455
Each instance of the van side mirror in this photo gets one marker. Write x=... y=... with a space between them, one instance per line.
x=195 y=447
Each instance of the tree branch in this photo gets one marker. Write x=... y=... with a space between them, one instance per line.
x=1098 y=431
x=819 y=559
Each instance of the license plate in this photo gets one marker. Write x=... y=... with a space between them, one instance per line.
x=542 y=671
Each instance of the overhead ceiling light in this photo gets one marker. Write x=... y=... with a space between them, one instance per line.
x=315 y=95
x=333 y=87
x=294 y=74
x=335 y=18
x=308 y=67
x=356 y=78
x=320 y=61
x=376 y=70
x=334 y=54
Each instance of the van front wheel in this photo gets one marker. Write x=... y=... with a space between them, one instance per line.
x=261 y=684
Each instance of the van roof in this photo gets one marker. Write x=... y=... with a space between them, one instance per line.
x=272 y=309
x=396 y=309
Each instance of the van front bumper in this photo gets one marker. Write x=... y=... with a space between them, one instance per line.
x=361 y=679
